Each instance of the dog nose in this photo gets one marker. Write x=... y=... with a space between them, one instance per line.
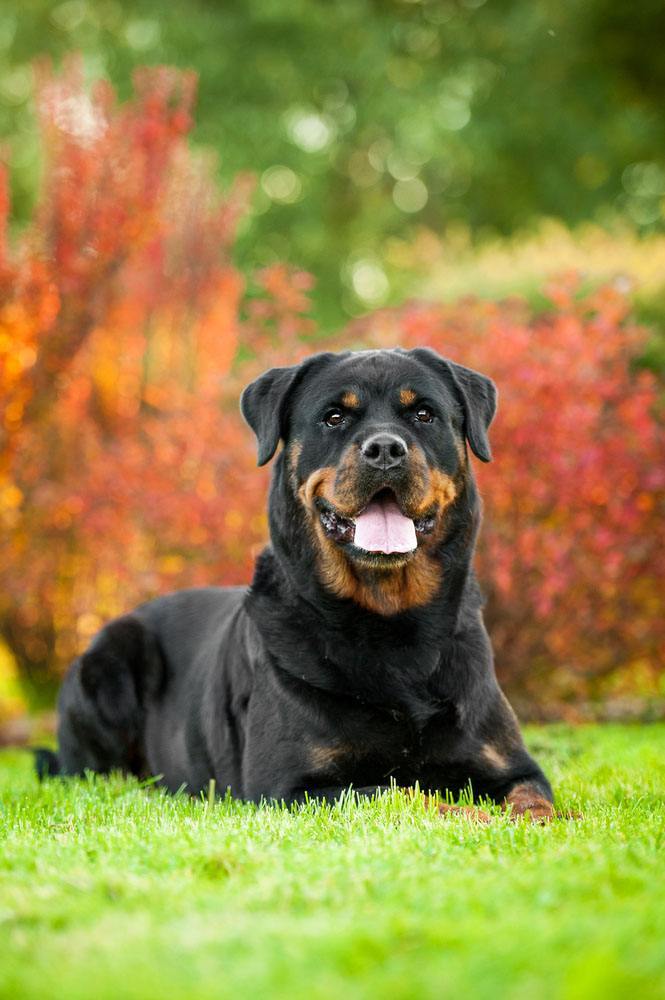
x=384 y=451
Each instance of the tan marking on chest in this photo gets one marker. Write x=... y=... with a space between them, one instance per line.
x=493 y=757
x=322 y=758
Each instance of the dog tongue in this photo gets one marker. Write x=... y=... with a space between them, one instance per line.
x=383 y=528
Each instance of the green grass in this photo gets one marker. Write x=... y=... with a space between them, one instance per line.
x=111 y=890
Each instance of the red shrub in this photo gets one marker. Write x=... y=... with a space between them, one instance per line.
x=571 y=554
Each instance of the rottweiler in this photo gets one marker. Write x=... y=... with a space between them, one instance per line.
x=358 y=656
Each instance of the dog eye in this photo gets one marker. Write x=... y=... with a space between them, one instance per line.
x=334 y=418
x=424 y=415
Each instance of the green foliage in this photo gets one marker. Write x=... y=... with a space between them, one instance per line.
x=113 y=890
x=366 y=120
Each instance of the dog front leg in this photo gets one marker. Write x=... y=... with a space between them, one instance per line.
x=515 y=782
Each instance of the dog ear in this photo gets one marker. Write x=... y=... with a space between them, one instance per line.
x=264 y=403
x=477 y=393
x=262 y=406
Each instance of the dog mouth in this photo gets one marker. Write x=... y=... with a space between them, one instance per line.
x=381 y=529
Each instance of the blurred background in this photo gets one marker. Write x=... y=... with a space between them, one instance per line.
x=191 y=193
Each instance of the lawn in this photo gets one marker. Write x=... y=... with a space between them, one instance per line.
x=108 y=889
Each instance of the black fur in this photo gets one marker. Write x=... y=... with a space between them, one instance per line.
x=285 y=689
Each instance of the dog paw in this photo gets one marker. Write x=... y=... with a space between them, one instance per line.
x=469 y=813
x=526 y=802
x=571 y=814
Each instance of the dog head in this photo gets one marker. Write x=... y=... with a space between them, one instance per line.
x=375 y=458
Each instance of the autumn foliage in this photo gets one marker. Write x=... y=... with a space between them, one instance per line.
x=124 y=469
x=571 y=553
x=126 y=333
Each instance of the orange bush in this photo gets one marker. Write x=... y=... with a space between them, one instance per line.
x=124 y=470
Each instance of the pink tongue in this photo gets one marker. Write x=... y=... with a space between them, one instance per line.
x=383 y=528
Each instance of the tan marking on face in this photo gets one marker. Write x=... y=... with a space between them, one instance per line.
x=294 y=452
x=318 y=484
x=493 y=757
x=407 y=397
x=334 y=484
x=429 y=487
x=386 y=592
x=442 y=491
x=409 y=584
x=460 y=448
x=350 y=399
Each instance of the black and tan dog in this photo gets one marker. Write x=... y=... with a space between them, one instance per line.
x=358 y=656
